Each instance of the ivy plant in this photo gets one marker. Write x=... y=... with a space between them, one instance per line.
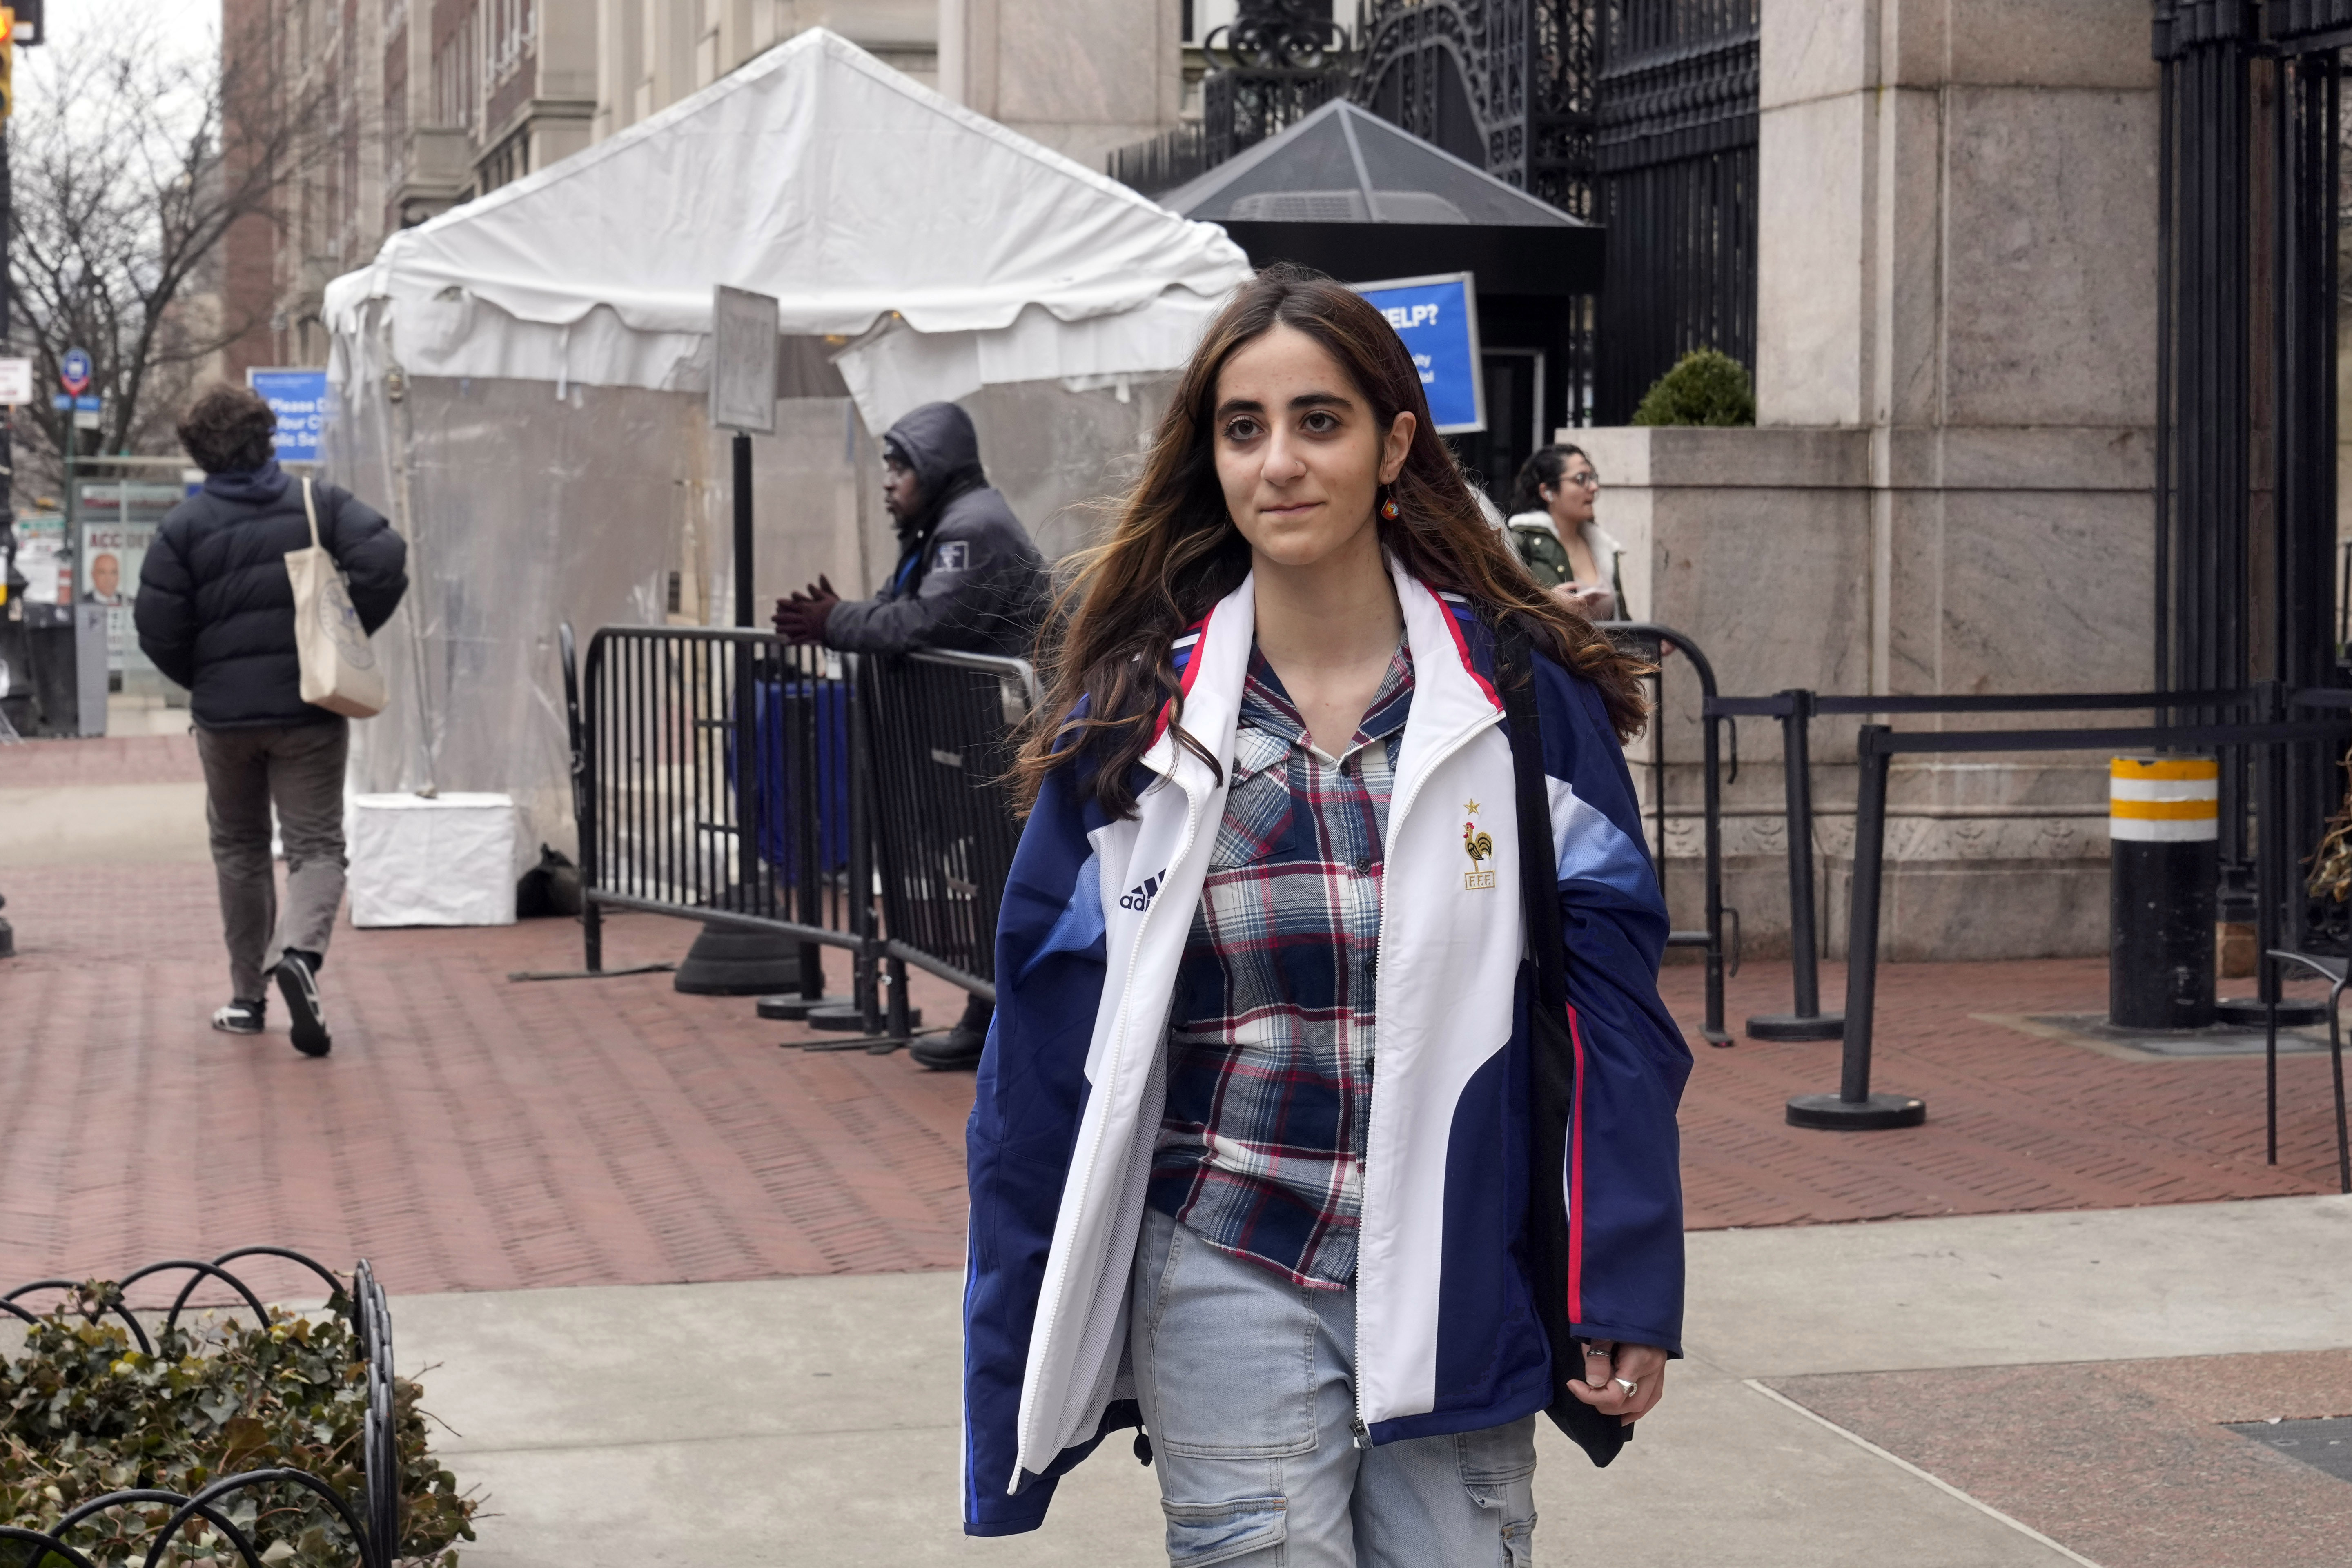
x=84 y=1412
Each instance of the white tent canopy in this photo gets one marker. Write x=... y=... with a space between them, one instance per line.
x=954 y=253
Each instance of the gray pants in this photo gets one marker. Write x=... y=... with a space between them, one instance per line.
x=300 y=768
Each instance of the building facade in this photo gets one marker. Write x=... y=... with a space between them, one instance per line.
x=429 y=104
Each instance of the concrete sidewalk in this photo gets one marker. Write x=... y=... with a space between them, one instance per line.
x=814 y=1420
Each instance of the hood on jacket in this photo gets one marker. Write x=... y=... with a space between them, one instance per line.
x=937 y=442
x=266 y=483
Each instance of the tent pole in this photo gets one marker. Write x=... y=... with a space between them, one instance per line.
x=743 y=613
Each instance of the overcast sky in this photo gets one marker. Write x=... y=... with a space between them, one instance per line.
x=181 y=25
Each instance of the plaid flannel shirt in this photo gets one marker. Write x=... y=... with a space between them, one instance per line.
x=1260 y=1150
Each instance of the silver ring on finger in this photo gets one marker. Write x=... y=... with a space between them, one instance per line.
x=1630 y=1385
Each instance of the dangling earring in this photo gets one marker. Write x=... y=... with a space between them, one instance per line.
x=1389 y=509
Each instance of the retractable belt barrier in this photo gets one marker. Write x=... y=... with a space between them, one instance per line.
x=1855 y=1107
x=1796 y=709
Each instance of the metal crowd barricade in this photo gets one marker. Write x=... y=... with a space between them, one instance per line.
x=678 y=816
x=1654 y=643
x=940 y=729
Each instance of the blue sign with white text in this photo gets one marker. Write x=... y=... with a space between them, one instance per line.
x=298 y=398
x=1438 y=320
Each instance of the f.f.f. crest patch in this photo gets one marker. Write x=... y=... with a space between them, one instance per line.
x=1480 y=846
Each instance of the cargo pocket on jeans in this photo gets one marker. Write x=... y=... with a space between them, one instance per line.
x=1200 y=1534
x=1498 y=1469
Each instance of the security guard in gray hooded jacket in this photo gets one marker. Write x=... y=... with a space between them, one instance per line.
x=968 y=578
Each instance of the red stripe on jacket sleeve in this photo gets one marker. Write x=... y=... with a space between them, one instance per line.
x=1576 y=1175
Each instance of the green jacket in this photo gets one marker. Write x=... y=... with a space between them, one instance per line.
x=1548 y=562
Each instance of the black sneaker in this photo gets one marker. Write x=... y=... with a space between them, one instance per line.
x=300 y=986
x=242 y=1017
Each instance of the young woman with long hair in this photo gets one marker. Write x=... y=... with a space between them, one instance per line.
x=1280 y=1151
x=1553 y=529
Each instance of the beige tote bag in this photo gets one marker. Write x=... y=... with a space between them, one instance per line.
x=339 y=668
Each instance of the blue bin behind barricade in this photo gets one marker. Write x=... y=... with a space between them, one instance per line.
x=784 y=725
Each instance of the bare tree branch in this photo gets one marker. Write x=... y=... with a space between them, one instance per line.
x=128 y=169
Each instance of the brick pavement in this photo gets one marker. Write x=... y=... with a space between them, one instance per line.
x=2015 y=1122
x=471 y=1134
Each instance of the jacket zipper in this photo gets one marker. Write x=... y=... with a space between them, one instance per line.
x=1112 y=1060
x=1363 y=1433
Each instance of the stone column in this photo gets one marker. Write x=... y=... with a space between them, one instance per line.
x=1081 y=76
x=1949 y=487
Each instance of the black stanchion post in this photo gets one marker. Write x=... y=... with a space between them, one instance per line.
x=1808 y=1022
x=1853 y=1109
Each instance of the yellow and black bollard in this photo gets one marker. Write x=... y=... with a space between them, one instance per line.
x=2164 y=824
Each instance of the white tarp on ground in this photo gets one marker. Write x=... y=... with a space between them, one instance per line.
x=957 y=253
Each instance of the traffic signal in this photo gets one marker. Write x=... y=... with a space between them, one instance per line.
x=8 y=61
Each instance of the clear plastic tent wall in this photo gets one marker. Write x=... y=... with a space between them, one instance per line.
x=525 y=510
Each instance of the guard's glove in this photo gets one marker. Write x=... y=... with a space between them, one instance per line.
x=802 y=617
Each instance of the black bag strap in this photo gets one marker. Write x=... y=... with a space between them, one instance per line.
x=1538 y=873
x=1551 y=1065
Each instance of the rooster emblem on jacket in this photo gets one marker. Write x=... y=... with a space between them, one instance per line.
x=1480 y=846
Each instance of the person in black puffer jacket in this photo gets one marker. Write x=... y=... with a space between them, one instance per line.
x=215 y=612
x=968 y=578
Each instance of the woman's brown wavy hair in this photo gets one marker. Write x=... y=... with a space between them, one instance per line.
x=1173 y=551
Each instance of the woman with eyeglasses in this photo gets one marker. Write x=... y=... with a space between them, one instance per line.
x=1552 y=529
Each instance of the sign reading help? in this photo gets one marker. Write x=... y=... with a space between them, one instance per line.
x=1437 y=317
x=298 y=398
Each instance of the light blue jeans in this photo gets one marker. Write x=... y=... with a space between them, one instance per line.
x=1247 y=1386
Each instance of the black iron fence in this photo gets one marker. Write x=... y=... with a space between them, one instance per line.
x=375 y=1524
x=1655 y=644
x=1676 y=159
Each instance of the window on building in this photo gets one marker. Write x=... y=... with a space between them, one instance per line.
x=457 y=74
x=510 y=23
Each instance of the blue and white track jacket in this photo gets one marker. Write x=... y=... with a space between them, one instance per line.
x=1070 y=1091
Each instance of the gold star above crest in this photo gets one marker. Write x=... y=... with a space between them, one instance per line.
x=1470 y=806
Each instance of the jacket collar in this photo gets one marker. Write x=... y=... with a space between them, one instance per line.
x=1451 y=691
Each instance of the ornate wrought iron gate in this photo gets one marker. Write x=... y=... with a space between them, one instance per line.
x=1504 y=84
x=2250 y=224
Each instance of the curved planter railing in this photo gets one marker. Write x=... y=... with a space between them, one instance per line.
x=374 y=1526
